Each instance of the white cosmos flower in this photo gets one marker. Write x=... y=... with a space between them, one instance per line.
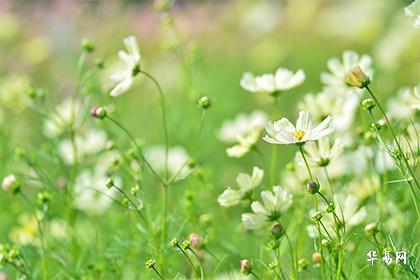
x=338 y=69
x=68 y=113
x=282 y=80
x=350 y=211
x=245 y=130
x=401 y=105
x=413 y=98
x=91 y=193
x=86 y=144
x=131 y=59
x=413 y=11
x=338 y=104
x=284 y=132
x=274 y=205
x=246 y=184
x=322 y=152
x=178 y=161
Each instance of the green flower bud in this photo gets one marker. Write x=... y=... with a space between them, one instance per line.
x=185 y=244
x=174 y=242
x=330 y=208
x=150 y=263
x=368 y=104
x=109 y=183
x=371 y=229
x=135 y=190
x=303 y=264
x=88 y=46
x=273 y=244
x=277 y=231
x=43 y=198
x=98 y=112
x=312 y=187
x=204 y=102
x=317 y=216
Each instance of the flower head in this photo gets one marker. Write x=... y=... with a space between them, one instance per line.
x=282 y=80
x=338 y=69
x=10 y=183
x=413 y=98
x=322 y=152
x=413 y=11
x=274 y=204
x=245 y=130
x=131 y=59
x=246 y=184
x=284 y=132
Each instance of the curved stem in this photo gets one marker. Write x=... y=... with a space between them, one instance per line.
x=164 y=123
x=394 y=136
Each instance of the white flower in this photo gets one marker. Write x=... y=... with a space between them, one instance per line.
x=410 y=143
x=282 y=80
x=273 y=206
x=91 y=193
x=284 y=132
x=178 y=161
x=131 y=59
x=401 y=105
x=413 y=11
x=364 y=187
x=349 y=211
x=246 y=184
x=413 y=98
x=86 y=144
x=322 y=152
x=9 y=182
x=67 y=114
x=340 y=69
x=338 y=104
x=245 y=130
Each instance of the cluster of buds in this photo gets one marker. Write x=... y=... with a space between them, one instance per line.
x=357 y=78
x=43 y=198
x=9 y=255
x=11 y=184
x=150 y=263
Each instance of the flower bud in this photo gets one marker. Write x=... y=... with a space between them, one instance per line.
x=246 y=266
x=150 y=263
x=277 y=231
x=312 y=187
x=10 y=184
x=303 y=264
x=273 y=244
x=325 y=243
x=109 y=183
x=273 y=265
x=316 y=257
x=88 y=46
x=43 y=198
x=204 y=102
x=317 y=216
x=174 y=242
x=135 y=190
x=99 y=63
x=368 y=104
x=196 y=240
x=371 y=229
x=98 y=112
x=330 y=208
x=185 y=244
x=357 y=78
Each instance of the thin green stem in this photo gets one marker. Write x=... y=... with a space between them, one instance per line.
x=189 y=260
x=306 y=161
x=164 y=122
x=157 y=272
x=395 y=137
x=273 y=164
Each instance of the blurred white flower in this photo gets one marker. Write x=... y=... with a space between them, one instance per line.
x=338 y=69
x=338 y=104
x=350 y=210
x=410 y=143
x=91 y=193
x=399 y=105
x=245 y=130
x=178 y=161
x=412 y=98
x=13 y=92
x=413 y=11
x=322 y=152
x=363 y=187
x=282 y=80
x=9 y=182
x=67 y=114
x=274 y=205
x=284 y=132
x=131 y=59
x=86 y=144
x=246 y=184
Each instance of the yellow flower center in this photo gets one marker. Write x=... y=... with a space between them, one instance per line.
x=299 y=134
